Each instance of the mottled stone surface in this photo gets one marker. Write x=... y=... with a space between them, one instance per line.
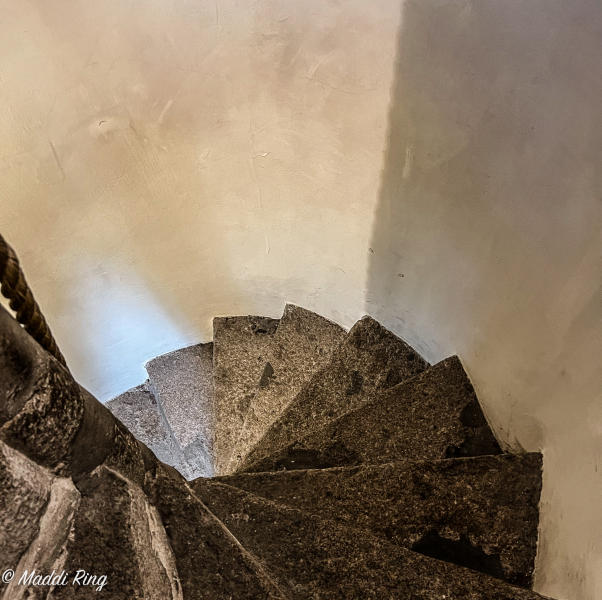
x=128 y=456
x=302 y=344
x=480 y=512
x=240 y=347
x=47 y=551
x=182 y=382
x=371 y=359
x=435 y=415
x=109 y=534
x=41 y=409
x=210 y=562
x=313 y=557
x=24 y=493
x=137 y=410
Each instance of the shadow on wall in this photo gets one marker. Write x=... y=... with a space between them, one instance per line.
x=487 y=238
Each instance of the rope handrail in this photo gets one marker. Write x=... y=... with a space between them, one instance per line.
x=20 y=298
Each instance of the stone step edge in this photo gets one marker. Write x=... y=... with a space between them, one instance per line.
x=243 y=466
x=328 y=523
x=409 y=461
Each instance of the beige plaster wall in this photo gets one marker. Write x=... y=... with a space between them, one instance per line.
x=165 y=161
x=169 y=160
x=487 y=238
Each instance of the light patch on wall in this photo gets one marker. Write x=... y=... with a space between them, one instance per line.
x=126 y=325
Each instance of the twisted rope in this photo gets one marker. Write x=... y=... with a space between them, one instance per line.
x=21 y=300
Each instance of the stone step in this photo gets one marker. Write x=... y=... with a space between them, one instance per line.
x=182 y=383
x=240 y=348
x=370 y=359
x=481 y=513
x=116 y=535
x=210 y=562
x=313 y=557
x=435 y=415
x=24 y=495
x=137 y=409
x=302 y=344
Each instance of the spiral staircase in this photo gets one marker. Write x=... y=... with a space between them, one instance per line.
x=287 y=459
x=329 y=464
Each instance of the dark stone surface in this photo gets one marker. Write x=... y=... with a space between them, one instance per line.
x=182 y=382
x=313 y=557
x=210 y=562
x=479 y=512
x=435 y=415
x=303 y=343
x=371 y=359
x=24 y=493
x=40 y=404
x=240 y=346
x=128 y=456
x=55 y=422
x=104 y=440
x=103 y=542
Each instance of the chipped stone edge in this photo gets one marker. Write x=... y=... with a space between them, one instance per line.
x=48 y=550
x=253 y=560
x=142 y=511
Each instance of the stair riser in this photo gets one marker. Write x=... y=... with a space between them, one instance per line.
x=481 y=513
x=433 y=416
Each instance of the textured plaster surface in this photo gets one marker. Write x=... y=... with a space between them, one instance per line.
x=165 y=161
x=487 y=238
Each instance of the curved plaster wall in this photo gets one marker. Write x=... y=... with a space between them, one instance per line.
x=432 y=163
x=487 y=238
x=165 y=161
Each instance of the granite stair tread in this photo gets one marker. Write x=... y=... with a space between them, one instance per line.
x=313 y=557
x=434 y=415
x=302 y=344
x=210 y=561
x=137 y=409
x=369 y=360
x=240 y=346
x=479 y=512
x=114 y=535
x=182 y=383
x=24 y=495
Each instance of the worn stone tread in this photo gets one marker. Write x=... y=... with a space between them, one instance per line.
x=313 y=557
x=479 y=512
x=435 y=415
x=24 y=494
x=370 y=359
x=182 y=383
x=211 y=563
x=112 y=536
x=240 y=347
x=137 y=410
x=302 y=344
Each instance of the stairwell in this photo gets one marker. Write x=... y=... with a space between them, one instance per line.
x=285 y=459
